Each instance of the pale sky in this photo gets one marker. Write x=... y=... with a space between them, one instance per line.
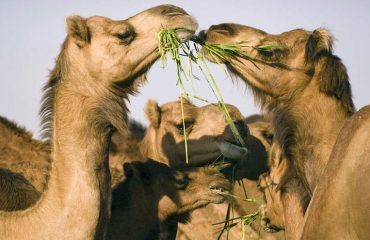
x=32 y=32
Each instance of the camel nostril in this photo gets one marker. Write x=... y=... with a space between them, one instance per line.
x=202 y=36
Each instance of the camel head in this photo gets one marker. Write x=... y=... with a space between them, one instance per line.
x=119 y=51
x=173 y=192
x=206 y=129
x=297 y=60
x=103 y=60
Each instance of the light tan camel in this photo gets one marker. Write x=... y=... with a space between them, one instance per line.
x=340 y=206
x=301 y=82
x=98 y=66
x=154 y=198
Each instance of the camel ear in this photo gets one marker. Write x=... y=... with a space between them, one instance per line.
x=333 y=80
x=139 y=171
x=185 y=100
x=153 y=113
x=78 y=30
x=320 y=41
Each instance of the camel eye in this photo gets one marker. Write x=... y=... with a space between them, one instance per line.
x=126 y=37
x=269 y=50
x=188 y=126
x=266 y=53
x=268 y=136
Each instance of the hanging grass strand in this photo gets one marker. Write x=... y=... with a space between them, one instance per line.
x=184 y=126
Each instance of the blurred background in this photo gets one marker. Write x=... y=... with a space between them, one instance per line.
x=32 y=32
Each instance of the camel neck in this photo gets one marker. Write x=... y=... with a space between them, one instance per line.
x=307 y=129
x=80 y=175
x=79 y=185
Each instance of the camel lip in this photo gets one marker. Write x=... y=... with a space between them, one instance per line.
x=219 y=190
x=233 y=143
x=184 y=34
x=231 y=150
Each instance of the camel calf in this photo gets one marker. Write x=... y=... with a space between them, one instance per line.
x=154 y=198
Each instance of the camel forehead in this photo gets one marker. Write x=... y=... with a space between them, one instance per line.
x=104 y=24
x=237 y=29
x=174 y=108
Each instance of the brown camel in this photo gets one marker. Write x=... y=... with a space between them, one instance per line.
x=301 y=83
x=98 y=66
x=340 y=205
x=154 y=198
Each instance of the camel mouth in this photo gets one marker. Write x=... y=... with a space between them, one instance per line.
x=267 y=227
x=185 y=34
x=232 y=150
x=219 y=190
x=220 y=193
x=222 y=188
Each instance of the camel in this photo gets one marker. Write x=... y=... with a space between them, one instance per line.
x=340 y=205
x=301 y=83
x=154 y=198
x=97 y=68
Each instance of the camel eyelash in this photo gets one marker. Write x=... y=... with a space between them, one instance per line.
x=126 y=37
x=180 y=126
x=269 y=50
